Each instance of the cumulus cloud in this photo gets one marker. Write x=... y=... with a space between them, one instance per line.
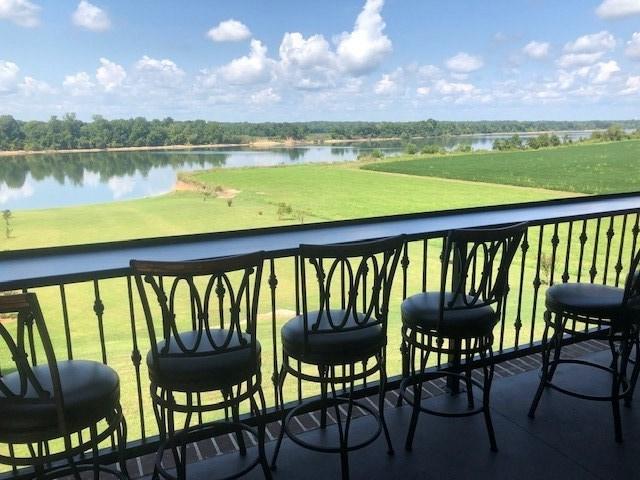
x=464 y=63
x=91 y=17
x=605 y=70
x=536 y=50
x=21 y=12
x=386 y=85
x=159 y=71
x=308 y=63
x=453 y=88
x=8 y=193
x=363 y=49
x=249 y=69
x=8 y=76
x=633 y=47
x=110 y=75
x=267 y=96
x=632 y=86
x=30 y=86
x=78 y=84
x=618 y=8
x=229 y=31
x=428 y=72
x=595 y=42
x=423 y=91
x=570 y=60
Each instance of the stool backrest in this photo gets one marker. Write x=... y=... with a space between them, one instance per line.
x=476 y=265
x=198 y=296
x=631 y=299
x=24 y=337
x=350 y=283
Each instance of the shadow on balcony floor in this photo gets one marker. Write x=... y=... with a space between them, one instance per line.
x=569 y=439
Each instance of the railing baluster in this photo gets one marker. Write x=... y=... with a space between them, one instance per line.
x=565 y=274
x=273 y=284
x=65 y=319
x=524 y=248
x=583 y=242
x=536 y=286
x=619 y=265
x=425 y=265
x=610 y=234
x=593 y=271
x=98 y=308
x=555 y=241
x=136 y=357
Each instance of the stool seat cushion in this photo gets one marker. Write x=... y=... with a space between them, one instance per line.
x=332 y=347
x=90 y=390
x=422 y=311
x=598 y=301
x=207 y=369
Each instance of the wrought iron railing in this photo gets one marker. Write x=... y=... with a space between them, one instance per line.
x=93 y=311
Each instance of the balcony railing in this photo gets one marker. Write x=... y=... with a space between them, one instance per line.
x=93 y=311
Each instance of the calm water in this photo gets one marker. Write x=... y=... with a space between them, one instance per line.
x=58 y=180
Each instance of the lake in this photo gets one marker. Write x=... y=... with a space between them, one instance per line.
x=59 y=180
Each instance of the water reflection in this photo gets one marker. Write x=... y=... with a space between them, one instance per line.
x=55 y=180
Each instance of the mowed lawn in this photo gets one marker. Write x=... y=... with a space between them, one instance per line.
x=314 y=193
x=593 y=168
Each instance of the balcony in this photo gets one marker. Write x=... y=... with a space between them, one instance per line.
x=93 y=312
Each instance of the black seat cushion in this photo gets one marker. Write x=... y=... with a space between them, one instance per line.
x=587 y=299
x=423 y=311
x=91 y=392
x=209 y=369
x=332 y=347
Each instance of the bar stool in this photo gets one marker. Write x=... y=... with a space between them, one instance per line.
x=458 y=320
x=342 y=331
x=54 y=411
x=574 y=308
x=205 y=356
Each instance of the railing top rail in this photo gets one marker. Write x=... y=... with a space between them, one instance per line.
x=50 y=266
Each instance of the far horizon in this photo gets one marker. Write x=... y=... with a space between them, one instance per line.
x=355 y=60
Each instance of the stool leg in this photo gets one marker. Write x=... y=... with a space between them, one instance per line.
x=381 y=399
x=121 y=434
x=547 y=346
x=343 y=433
x=261 y=412
x=467 y=377
x=636 y=367
x=279 y=387
x=404 y=352
x=417 y=399
x=487 y=370
x=322 y=372
x=617 y=380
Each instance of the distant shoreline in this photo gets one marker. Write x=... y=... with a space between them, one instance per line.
x=289 y=143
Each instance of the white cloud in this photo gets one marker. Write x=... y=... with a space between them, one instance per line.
x=633 y=86
x=386 y=85
x=267 y=96
x=423 y=91
x=91 y=17
x=8 y=76
x=110 y=75
x=536 y=50
x=570 y=60
x=633 y=47
x=78 y=84
x=605 y=70
x=30 y=86
x=363 y=49
x=7 y=193
x=229 y=31
x=464 y=63
x=120 y=186
x=596 y=42
x=618 y=8
x=453 y=88
x=20 y=12
x=307 y=63
x=429 y=72
x=249 y=69
x=159 y=71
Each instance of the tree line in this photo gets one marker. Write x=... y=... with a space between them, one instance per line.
x=69 y=132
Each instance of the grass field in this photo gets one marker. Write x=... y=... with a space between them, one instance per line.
x=315 y=193
x=592 y=169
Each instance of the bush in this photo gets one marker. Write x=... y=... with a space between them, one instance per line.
x=463 y=148
x=430 y=149
x=410 y=149
x=284 y=210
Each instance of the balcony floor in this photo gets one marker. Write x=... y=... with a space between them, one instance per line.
x=569 y=439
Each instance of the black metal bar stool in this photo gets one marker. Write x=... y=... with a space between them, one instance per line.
x=573 y=309
x=342 y=332
x=205 y=356
x=458 y=320
x=53 y=412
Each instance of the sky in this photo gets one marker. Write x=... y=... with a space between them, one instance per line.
x=293 y=60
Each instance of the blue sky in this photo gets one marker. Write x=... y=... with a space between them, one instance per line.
x=285 y=60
